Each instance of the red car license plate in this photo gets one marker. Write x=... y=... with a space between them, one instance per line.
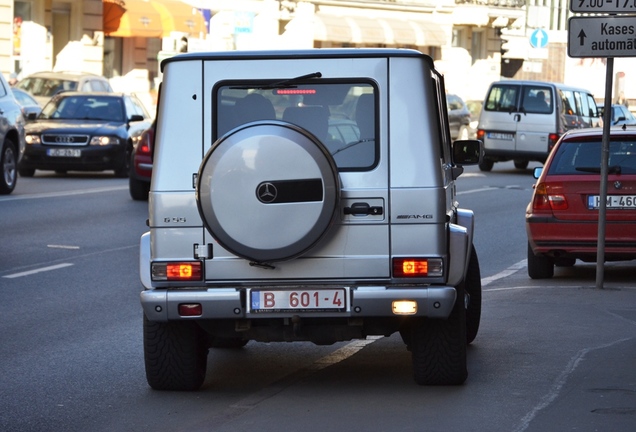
x=613 y=202
x=318 y=300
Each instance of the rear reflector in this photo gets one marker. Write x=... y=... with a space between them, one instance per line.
x=194 y=309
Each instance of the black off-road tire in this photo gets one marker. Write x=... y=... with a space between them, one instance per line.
x=139 y=189
x=9 y=167
x=438 y=347
x=472 y=287
x=486 y=165
x=539 y=266
x=175 y=355
x=521 y=164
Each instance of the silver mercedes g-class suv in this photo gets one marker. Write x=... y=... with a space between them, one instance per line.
x=306 y=196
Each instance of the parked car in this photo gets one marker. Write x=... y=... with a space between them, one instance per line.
x=562 y=216
x=621 y=115
x=28 y=103
x=141 y=164
x=11 y=137
x=458 y=117
x=44 y=85
x=522 y=120
x=84 y=132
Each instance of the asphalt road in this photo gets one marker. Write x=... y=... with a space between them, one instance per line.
x=551 y=355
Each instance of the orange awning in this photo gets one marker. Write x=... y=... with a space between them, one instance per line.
x=150 y=18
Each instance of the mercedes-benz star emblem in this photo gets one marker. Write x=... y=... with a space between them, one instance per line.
x=266 y=192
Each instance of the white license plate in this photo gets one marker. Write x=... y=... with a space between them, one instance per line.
x=613 y=202
x=318 y=300
x=64 y=152
x=500 y=136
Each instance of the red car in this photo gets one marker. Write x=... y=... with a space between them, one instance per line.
x=562 y=217
x=141 y=164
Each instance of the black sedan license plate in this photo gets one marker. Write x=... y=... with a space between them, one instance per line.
x=64 y=152
x=299 y=300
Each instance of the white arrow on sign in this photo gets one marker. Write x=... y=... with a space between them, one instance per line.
x=602 y=36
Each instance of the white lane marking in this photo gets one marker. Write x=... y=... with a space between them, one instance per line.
x=62 y=193
x=484 y=189
x=553 y=393
x=62 y=247
x=343 y=353
x=39 y=270
x=467 y=174
x=507 y=272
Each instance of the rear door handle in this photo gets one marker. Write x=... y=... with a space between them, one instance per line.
x=363 y=209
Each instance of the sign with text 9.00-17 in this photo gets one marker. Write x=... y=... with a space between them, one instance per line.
x=602 y=36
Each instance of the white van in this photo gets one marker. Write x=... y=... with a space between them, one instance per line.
x=522 y=120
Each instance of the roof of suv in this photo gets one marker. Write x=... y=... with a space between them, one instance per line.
x=305 y=53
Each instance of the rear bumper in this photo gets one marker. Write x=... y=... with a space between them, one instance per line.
x=230 y=303
x=552 y=237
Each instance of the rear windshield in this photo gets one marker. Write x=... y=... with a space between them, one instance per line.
x=341 y=115
x=584 y=158
x=527 y=98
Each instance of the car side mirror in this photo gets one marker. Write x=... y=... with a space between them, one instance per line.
x=32 y=116
x=467 y=152
x=536 y=173
x=136 y=118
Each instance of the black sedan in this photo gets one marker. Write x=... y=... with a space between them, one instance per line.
x=84 y=132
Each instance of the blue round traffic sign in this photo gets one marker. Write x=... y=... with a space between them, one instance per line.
x=539 y=38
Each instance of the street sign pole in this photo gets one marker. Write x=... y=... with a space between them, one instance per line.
x=602 y=210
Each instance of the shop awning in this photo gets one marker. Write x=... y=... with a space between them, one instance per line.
x=382 y=31
x=150 y=18
x=332 y=28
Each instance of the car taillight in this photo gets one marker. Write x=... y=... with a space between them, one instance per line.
x=480 y=134
x=145 y=143
x=545 y=199
x=177 y=271
x=417 y=267
x=552 y=140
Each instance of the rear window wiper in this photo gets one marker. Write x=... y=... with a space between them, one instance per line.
x=614 y=169
x=290 y=82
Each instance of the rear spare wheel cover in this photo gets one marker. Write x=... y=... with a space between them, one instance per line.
x=268 y=191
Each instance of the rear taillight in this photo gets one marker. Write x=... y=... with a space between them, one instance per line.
x=545 y=198
x=480 y=134
x=417 y=267
x=145 y=142
x=552 y=140
x=177 y=271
